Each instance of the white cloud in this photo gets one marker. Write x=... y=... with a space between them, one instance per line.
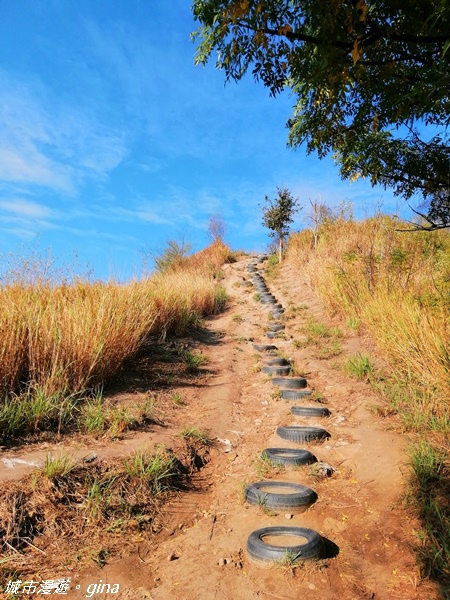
x=46 y=141
x=26 y=208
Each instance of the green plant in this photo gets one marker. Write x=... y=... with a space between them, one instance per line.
x=176 y=399
x=196 y=434
x=154 y=469
x=360 y=366
x=238 y=318
x=194 y=361
x=429 y=492
x=58 y=466
x=264 y=467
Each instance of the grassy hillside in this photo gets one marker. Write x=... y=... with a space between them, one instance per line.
x=60 y=340
x=396 y=287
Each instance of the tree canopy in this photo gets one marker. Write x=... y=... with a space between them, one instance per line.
x=371 y=80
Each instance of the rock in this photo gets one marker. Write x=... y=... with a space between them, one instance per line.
x=172 y=557
x=288 y=516
x=222 y=562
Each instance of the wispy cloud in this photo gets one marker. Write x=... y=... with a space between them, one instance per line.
x=47 y=142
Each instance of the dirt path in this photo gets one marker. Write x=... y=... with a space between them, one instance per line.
x=359 y=509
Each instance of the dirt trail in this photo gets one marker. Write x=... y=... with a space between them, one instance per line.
x=359 y=509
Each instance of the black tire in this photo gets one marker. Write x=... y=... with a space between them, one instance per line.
x=257 y=549
x=277 y=326
x=276 y=314
x=302 y=434
x=295 y=394
x=271 y=335
x=264 y=347
x=290 y=382
x=275 y=361
x=310 y=411
x=276 y=369
x=297 y=495
x=289 y=456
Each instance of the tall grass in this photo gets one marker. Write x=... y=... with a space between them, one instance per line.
x=397 y=286
x=61 y=337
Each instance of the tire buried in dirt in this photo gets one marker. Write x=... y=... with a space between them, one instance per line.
x=264 y=347
x=275 y=361
x=314 y=548
x=289 y=456
x=295 y=394
x=297 y=496
x=290 y=382
x=302 y=434
x=310 y=411
x=276 y=369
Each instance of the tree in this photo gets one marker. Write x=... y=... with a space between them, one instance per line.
x=278 y=215
x=318 y=214
x=371 y=80
x=216 y=227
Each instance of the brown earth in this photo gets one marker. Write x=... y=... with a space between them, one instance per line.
x=201 y=549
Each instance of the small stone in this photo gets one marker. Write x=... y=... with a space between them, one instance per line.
x=222 y=562
x=238 y=565
x=180 y=526
x=172 y=557
x=288 y=516
x=311 y=586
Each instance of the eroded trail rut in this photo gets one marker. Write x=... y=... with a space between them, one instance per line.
x=359 y=508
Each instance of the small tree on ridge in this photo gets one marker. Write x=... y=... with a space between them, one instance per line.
x=278 y=215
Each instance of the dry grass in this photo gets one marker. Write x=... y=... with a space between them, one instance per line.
x=60 y=337
x=397 y=286
x=78 y=511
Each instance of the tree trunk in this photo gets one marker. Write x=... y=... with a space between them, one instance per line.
x=280 y=250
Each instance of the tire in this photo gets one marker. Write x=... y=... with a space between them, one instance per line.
x=289 y=456
x=295 y=394
x=271 y=335
x=297 y=496
x=257 y=549
x=302 y=434
x=290 y=382
x=276 y=314
x=275 y=361
x=310 y=411
x=264 y=347
x=277 y=327
x=276 y=369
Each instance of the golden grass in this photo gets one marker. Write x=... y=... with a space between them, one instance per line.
x=65 y=338
x=397 y=285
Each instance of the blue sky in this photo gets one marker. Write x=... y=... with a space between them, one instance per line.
x=112 y=141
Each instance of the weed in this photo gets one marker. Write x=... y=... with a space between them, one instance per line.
x=155 y=470
x=330 y=350
x=58 y=466
x=176 y=399
x=238 y=318
x=194 y=361
x=265 y=467
x=257 y=297
x=429 y=493
x=353 y=323
x=360 y=366
x=196 y=434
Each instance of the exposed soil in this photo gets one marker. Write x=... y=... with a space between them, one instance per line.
x=200 y=551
